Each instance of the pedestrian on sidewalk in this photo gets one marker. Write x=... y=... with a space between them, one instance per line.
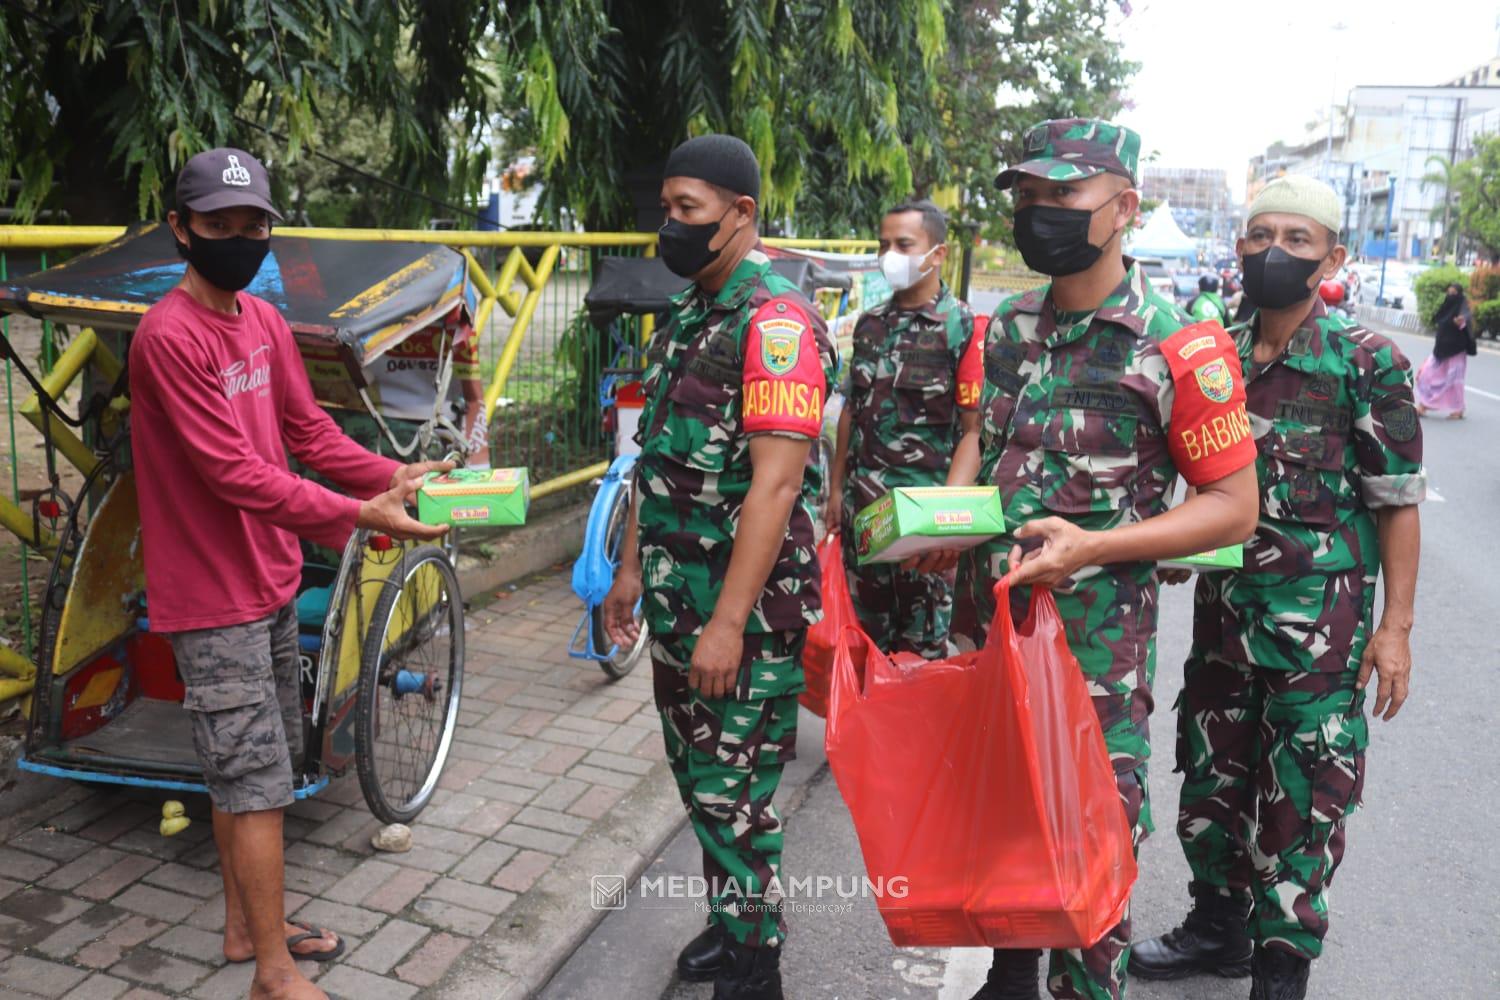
x=906 y=405
x=218 y=396
x=1097 y=395
x=1440 y=380
x=719 y=550
x=1271 y=727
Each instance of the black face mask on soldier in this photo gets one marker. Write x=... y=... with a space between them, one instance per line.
x=684 y=246
x=1055 y=241
x=229 y=264
x=1275 y=279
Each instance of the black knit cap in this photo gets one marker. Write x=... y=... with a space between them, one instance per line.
x=718 y=159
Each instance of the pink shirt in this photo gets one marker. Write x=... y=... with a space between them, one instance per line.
x=216 y=403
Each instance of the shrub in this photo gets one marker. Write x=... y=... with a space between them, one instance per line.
x=1487 y=317
x=1484 y=283
x=1431 y=285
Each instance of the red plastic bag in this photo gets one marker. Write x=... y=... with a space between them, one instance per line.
x=823 y=638
x=981 y=790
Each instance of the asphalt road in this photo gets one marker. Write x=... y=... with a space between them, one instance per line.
x=1416 y=904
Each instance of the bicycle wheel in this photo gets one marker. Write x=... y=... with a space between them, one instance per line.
x=623 y=660
x=410 y=680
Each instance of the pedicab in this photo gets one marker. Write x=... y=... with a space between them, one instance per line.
x=638 y=287
x=381 y=624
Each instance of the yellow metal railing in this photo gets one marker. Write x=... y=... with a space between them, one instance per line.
x=515 y=287
x=520 y=304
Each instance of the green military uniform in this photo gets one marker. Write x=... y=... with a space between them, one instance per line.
x=754 y=358
x=1271 y=727
x=1075 y=413
x=904 y=398
x=1091 y=416
x=1209 y=305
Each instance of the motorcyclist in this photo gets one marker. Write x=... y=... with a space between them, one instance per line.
x=1209 y=304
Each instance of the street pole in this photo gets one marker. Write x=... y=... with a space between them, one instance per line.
x=1390 y=204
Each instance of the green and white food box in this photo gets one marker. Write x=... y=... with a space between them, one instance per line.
x=911 y=520
x=1228 y=557
x=474 y=497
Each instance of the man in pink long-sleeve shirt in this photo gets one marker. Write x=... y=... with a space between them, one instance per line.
x=218 y=397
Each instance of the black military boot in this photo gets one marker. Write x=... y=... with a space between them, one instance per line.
x=700 y=960
x=748 y=973
x=1213 y=939
x=1278 y=975
x=1013 y=976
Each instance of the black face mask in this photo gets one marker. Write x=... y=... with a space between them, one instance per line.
x=1055 y=241
x=229 y=264
x=1274 y=279
x=683 y=246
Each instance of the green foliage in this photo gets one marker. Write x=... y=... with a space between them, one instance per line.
x=101 y=101
x=849 y=104
x=1487 y=317
x=1012 y=64
x=1484 y=283
x=1431 y=285
x=611 y=87
x=1477 y=182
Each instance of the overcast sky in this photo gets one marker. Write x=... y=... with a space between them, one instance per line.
x=1221 y=81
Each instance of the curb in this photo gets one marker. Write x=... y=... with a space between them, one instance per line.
x=542 y=544
x=553 y=918
x=629 y=952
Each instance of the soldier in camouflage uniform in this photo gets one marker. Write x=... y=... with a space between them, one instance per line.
x=1096 y=397
x=1271 y=730
x=722 y=543
x=903 y=413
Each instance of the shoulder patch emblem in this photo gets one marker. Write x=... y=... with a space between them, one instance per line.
x=1400 y=420
x=1195 y=345
x=780 y=343
x=1215 y=381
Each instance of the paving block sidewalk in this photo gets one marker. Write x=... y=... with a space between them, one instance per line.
x=95 y=904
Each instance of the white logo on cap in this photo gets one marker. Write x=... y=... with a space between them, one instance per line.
x=236 y=174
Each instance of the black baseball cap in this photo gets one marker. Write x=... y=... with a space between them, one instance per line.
x=224 y=178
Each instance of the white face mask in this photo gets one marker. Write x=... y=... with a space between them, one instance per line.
x=904 y=270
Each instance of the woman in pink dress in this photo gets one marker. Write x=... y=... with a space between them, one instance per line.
x=1440 y=380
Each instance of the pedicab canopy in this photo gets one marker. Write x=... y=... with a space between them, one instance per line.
x=347 y=302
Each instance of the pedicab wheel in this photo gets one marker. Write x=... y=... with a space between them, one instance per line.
x=410 y=680
x=623 y=660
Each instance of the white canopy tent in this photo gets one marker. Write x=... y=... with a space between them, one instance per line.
x=1162 y=237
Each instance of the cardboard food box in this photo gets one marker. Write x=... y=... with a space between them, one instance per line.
x=911 y=520
x=1229 y=557
x=474 y=497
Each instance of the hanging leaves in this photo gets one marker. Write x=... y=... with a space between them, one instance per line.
x=849 y=104
x=102 y=100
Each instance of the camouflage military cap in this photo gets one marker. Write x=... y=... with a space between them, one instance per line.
x=1072 y=149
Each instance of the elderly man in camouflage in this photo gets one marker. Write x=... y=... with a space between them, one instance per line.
x=1096 y=397
x=1271 y=730
x=903 y=413
x=723 y=523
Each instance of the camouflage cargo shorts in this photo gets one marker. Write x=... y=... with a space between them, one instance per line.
x=243 y=692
